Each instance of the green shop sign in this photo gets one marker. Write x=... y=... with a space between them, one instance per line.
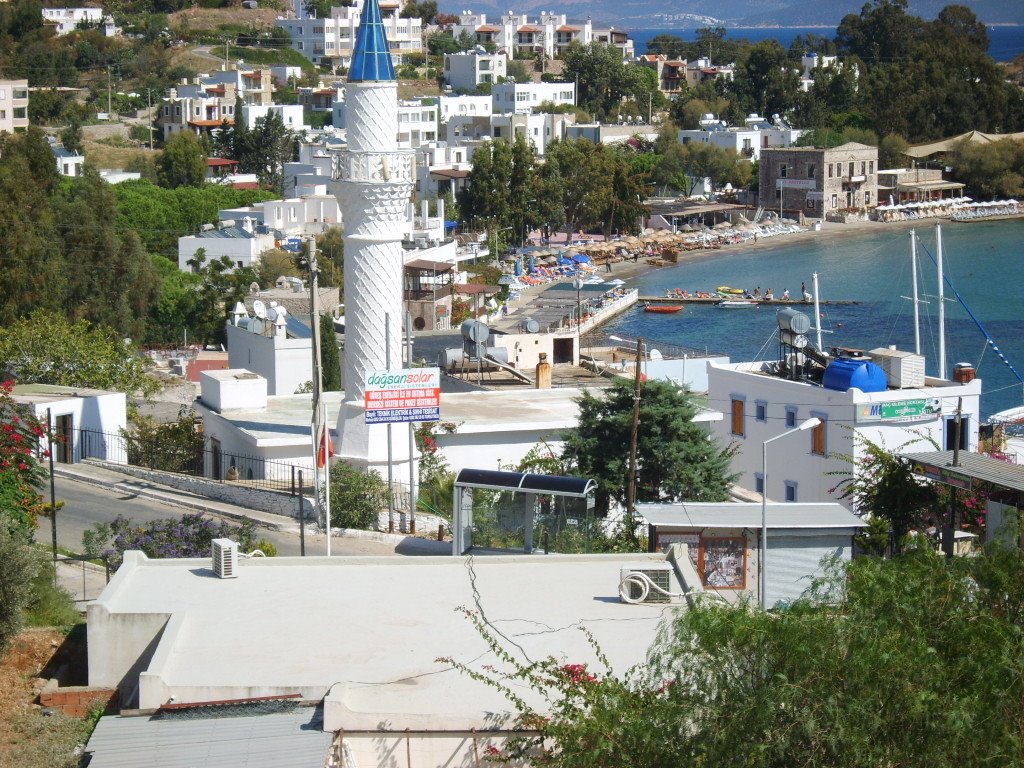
x=899 y=410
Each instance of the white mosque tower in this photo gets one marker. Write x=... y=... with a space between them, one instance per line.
x=373 y=182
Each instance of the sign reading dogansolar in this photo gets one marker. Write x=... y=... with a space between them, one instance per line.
x=409 y=394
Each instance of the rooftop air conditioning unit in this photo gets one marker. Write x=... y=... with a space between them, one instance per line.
x=225 y=558
x=640 y=589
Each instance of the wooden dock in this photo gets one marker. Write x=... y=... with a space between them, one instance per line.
x=773 y=302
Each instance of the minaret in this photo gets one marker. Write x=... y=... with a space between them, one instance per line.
x=373 y=181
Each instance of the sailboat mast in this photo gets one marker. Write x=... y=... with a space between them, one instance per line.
x=942 y=303
x=817 y=310
x=913 y=276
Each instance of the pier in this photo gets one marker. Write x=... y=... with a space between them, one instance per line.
x=716 y=299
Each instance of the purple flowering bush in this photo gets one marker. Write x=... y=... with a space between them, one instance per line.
x=187 y=536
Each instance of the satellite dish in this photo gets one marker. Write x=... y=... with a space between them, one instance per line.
x=256 y=325
x=254 y=287
x=259 y=309
x=655 y=354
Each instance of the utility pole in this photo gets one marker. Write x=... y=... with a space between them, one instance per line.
x=949 y=529
x=149 y=111
x=53 y=487
x=631 y=488
x=226 y=49
x=108 y=91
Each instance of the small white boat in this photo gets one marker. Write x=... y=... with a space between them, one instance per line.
x=736 y=303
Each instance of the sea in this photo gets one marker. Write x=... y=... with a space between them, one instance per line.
x=1005 y=41
x=983 y=261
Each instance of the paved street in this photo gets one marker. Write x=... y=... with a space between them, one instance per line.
x=87 y=505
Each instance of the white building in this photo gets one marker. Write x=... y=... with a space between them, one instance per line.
x=68 y=163
x=243 y=242
x=760 y=403
x=291 y=115
x=539 y=129
x=524 y=97
x=756 y=134
x=66 y=20
x=465 y=71
x=330 y=41
x=305 y=215
x=441 y=168
x=14 y=105
x=338 y=632
x=549 y=33
x=811 y=63
x=465 y=106
x=205 y=104
x=600 y=133
x=265 y=346
x=87 y=422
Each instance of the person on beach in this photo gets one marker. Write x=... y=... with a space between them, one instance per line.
x=757 y=292
x=608 y=265
x=803 y=292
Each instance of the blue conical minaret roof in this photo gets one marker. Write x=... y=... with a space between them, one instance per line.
x=371 y=59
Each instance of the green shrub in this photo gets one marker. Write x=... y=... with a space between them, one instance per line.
x=266 y=547
x=19 y=566
x=357 y=497
x=49 y=604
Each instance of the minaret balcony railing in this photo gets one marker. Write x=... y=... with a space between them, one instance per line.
x=374 y=167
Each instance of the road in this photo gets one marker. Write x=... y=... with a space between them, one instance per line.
x=86 y=505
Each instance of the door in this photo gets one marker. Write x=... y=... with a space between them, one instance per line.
x=562 y=351
x=950 y=437
x=794 y=561
x=64 y=426
x=215 y=459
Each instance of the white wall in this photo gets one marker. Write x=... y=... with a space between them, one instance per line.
x=791 y=459
x=291 y=115
x=485 y=450
x=232 y=388
x=523 y=97
x=242 y=251
x=105 y=413
x=286 y=364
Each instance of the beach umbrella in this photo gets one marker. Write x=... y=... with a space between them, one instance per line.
x=518 y=270
x=565 y=261
x=582 y=258
x=532 y=265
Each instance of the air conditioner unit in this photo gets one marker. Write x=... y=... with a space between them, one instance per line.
x=660 y=574
x=225 y=558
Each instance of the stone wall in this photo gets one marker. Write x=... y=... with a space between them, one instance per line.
x=238 y=493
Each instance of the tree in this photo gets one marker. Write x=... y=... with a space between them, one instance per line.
x=602 y=78
x=357 y=497
x=19 y=564
x=425 y=10
x=47 y=348
x=220 y=287
x=71 y=136
x=677 y=460
x=330 y=359
x=892 y=151
x=182 y=163
x=684 y=166
x=991 y=170
x=910 y=662
x=883 y=486
x=765 y=83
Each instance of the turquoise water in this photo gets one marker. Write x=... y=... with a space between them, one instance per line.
x=985 y=261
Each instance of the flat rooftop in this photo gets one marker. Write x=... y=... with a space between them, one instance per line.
x=286 y=418
x=368 y=631
x=40 y=394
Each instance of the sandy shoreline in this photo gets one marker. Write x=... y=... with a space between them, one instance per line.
x=629 y=270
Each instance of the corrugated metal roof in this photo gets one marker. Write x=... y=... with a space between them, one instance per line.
x=282 y=740
x=975 y=466
x=748 y=515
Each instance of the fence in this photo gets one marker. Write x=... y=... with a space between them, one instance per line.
x=83 y=579
x=191 y=458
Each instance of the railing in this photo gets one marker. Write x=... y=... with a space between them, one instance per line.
x=159 y=453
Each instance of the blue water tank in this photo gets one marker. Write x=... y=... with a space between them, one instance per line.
x=843 y=374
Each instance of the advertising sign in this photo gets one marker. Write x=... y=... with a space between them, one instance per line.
x=901 y=410
x=408 y=394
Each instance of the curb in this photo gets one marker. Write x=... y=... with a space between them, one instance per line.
x=390 y=538
x=166 y=497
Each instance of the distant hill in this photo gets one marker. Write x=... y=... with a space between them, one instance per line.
x=649 y=14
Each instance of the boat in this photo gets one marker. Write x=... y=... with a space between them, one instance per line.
x=725 y=290
x=663 y=309
x=736 y=303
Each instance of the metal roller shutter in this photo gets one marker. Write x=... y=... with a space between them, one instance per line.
x=794 y=560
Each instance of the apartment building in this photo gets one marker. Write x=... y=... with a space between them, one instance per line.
x=524 y=97
x=329 y=41
x=471 y=106
x=757 y=133
x=208 y=102
x=466 y=71
x=67 y=20
x=14 y=105
x=549 y=33
x=539 y=129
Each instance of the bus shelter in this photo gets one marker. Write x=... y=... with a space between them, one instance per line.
x=495 y=510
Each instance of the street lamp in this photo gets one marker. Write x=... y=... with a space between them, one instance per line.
x=578 y=285
x=810 y=423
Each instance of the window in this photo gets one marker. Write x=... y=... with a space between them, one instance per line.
x=759 y=482
x=783 y=171
x=863 y=168
x=3 y=114
x=737 y=417
x=867 y=198
x=497 y=132
x=851 y=169
x=790 y=491
x=791 y=412
x=761 y=410
x=835 y=201
x=871 y=166
x=810 y=204
x=3 y=94
x=830 y=170
x=523 y=96
x=810 y=170
x=819 y=445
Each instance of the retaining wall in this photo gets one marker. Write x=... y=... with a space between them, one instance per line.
x=78 y=700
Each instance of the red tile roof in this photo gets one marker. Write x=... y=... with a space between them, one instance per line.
x=220 y=161
x=245 y=185
x=530 y=29
x=210 y=123
x=488 y=28
x=564 y=28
